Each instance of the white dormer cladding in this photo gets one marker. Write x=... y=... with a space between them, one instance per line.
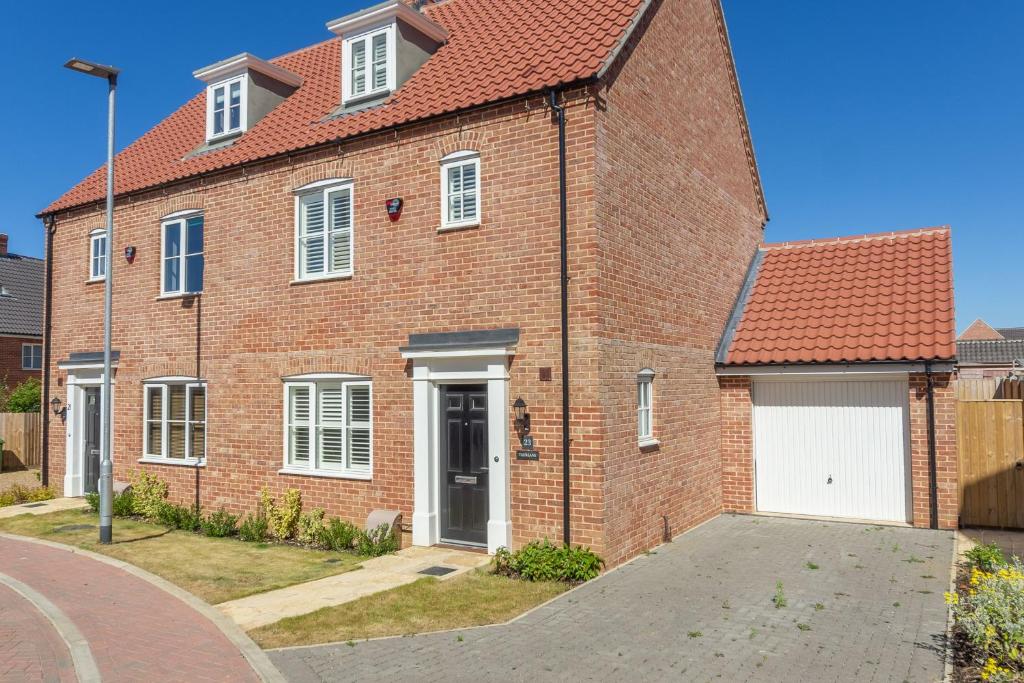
x=240 y=91
x=382 y=46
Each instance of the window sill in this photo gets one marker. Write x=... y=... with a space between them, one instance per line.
x=648 y=443
x=356 y=100
x=321 y=278
x=172 y=461
x=455 y=227
x=361 y=476
x=180 y=295
x=95 y=280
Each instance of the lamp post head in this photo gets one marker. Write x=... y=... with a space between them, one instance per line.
x=93 y=69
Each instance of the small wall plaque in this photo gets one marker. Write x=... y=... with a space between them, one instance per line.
x=527 y=455
x=527 y=442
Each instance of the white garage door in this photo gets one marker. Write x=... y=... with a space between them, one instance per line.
x=835 y=448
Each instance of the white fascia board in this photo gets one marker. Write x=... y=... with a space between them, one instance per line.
x=352 y=24
x=239 y=64
x=831 y=369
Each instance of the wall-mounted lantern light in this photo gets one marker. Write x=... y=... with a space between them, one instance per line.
x=522 y=417
x=58 y=408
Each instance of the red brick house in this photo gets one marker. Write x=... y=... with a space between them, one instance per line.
x=835 y=372
x=21 y=316
x=346 y=269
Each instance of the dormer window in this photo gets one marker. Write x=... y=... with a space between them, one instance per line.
x=224 y=107
x=371 y=66
x=382 y=47
x=239 y=92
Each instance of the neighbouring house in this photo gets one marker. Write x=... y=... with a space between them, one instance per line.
x=339 y=269
x=984 y=351
x=835 y=371
x=21 y=316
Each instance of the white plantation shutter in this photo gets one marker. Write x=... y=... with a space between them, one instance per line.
x=340 y=202
x=359 y=426
x=299 y=422
x=330 y=426
x=358 y=67
x=462 y=191
x=311 y=234
x=155 y=421
x=380 y=61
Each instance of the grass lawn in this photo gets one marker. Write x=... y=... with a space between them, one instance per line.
x=472 y=599
x=215 y=569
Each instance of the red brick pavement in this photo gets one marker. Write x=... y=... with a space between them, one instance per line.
x=30 y=647
x=136 y=631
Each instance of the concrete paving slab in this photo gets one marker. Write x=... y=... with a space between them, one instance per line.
x=375 y=575
x=43 y=507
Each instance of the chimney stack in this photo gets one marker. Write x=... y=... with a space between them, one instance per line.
x=3 y=244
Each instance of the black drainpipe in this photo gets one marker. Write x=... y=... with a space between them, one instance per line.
x=50 y=226
x=933 y=490
x=563 y=244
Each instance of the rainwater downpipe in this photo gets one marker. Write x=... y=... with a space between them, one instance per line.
x=933 y=488
x=50 y=226
x=559 y=111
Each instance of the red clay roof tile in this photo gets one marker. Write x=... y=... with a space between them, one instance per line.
x=883 y=297
x=495 y=50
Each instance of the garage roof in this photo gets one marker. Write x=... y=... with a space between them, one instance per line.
x=870 y=298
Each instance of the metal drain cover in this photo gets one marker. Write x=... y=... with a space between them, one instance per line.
x=75 y=527
x=437 y=571
x=33 y=505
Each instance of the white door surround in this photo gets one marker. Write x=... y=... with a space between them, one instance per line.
x=836 y=446
x=473 y=364
x=74 y=456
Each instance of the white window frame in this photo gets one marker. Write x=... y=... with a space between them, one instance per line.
x=645 y=395
x=314 y=383
x=32 y=354
x=243 y=111
x=325 y=188
x=366 y=38
x=449 y=162
x=162 y=455
x=182 y=219
x=96 y=236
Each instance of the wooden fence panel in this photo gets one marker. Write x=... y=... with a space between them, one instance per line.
x=983 y=389
x=23 y=441
x=990 y=439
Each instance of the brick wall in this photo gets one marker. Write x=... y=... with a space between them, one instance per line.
x=11 y=372
x=251 y=326
x=678 y=220
x=737 y=444
x=738 y=453
x=946 y=462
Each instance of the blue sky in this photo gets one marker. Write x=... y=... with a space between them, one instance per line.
x=866 y=116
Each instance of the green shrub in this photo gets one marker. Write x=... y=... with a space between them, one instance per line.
x=376 y=542
x=254 y=528
x=186 y=518
x=311 y=528
x=18 y=495
x=339 y=534
x=990 y=615
x=124 y=504
x=25 y=398
x=219 y=524
x=149 y=493
x=987 y=557
x=543 y=561
x=93 y=499
x=283 y=518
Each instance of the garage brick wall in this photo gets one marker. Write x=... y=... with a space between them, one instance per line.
x=738 y=449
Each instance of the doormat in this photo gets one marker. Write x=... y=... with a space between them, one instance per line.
x=436 y=571
x=75 y=527
x=33 y=505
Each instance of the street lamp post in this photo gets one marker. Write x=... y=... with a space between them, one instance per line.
x=106 y=464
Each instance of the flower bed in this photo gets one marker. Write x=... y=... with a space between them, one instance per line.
x=988 y=617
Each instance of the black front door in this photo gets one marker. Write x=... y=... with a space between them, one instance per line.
x=91 y=449
x=464 y=464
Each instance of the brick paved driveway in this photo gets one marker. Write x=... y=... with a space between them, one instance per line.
x=52 y=598
x=700 y=609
